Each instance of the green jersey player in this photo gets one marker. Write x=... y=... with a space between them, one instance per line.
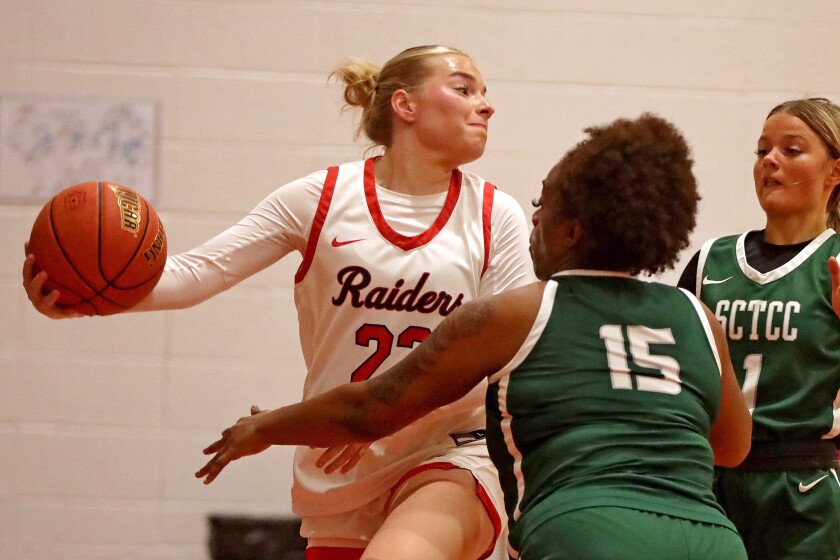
x=771 y=290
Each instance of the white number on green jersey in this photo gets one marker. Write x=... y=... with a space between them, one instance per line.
x=752 y=366
x=640 y=338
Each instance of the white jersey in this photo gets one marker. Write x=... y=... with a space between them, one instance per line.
x=380 y=270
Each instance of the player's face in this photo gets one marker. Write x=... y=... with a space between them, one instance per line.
x=452 y=111
x=549 y=248
x=792 y=170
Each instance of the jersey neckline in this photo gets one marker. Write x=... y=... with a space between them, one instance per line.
x=785 y=269
x=394 y=237
x=593 y=272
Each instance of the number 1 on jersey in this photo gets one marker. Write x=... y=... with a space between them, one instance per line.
x=752 y=366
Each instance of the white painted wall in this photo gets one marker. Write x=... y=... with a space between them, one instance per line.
x=102 y=420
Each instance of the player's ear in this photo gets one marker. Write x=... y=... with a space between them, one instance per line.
x=834 y=172
x=571 y=233
x=403 y=106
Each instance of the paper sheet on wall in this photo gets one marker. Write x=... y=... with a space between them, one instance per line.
x=50 y=143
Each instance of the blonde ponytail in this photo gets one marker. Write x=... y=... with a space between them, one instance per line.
x=369 y=87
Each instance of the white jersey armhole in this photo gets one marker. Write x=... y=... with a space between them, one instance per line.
x=704 y=320
x=546 y=305
x=509 y=262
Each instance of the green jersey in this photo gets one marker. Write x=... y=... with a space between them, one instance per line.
x=784 y=337
x=609 y=402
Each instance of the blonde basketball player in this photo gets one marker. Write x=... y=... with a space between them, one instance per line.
x=776 y=290
x=390 y=247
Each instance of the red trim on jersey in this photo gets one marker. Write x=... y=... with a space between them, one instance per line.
x=494 y=517
x=442 y=465
x=479 y=491
x=318 y=223
x=486 y=211
x=405 y=242
x=333 y=553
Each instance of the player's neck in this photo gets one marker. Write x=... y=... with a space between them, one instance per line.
x=402 y=173
x=792 y=229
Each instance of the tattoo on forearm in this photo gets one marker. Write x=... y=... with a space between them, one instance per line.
x=466 y=322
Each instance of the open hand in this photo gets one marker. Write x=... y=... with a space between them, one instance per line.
x=345 y=457
x=34 y=285
x=240 y=440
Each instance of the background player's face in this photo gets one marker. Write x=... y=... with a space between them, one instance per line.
x=451 y=110
x=792 y=170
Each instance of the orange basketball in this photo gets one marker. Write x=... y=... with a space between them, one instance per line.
x=102 y=246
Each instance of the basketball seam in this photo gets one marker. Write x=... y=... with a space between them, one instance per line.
x=67 y=258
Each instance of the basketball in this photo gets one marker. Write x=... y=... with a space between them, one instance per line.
x=102 y=246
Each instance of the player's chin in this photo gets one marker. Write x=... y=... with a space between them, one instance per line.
x=777 y=201
x=473 y=151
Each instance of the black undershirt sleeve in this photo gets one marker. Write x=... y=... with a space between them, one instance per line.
x=761 y=255
x=688 y=278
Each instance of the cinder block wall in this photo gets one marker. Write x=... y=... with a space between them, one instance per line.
x=102 y=420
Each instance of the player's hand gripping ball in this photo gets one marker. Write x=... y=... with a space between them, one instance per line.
x=102 y=246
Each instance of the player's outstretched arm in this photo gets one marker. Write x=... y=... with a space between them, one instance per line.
x=478 y=339
x=731 y=432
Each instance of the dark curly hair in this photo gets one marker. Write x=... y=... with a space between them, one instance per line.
x=631 y=187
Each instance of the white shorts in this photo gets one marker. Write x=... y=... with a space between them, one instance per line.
x=354 y=529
